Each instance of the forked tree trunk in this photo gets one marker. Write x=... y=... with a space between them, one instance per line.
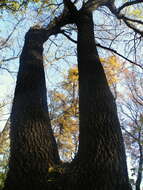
x=101 y=159
x=33 y=148
x=101 y=162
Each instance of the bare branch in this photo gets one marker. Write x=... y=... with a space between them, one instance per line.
x=129 y=4
x=6 y=69
x=72 y=40
x=133 y=20
x=116 y=12
x=11 y=33
x=114 y=51
x=133 y=27
x=92 y=5
x=9 y=59
x=130 y=134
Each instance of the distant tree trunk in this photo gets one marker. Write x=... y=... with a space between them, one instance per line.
x=33 y=147
x=140 y=167
x=101 y=161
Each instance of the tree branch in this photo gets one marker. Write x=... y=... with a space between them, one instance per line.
x=133 y=20
x=54 y=27
x=92 y=5
x=72 y=40
x=129 y=4
x=116 y=12
x=126 y=131
x=9 y=59
x=132 y=27
x=9 y=36
x=70 y=5
x=114 y=51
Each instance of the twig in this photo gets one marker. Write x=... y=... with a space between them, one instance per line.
x=133 y=20
x=133 y=27
x=63 y=32
x=114 y=51
x=123 y=128
x=116 y=12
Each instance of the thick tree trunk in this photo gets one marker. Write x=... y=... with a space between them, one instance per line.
x=101 y=162
x=101 y=159
x=33 y=147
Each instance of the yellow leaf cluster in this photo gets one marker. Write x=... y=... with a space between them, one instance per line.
x=112 y=68
x=14 y=5
x=66 y=121
x=137 y=12
x=57 y=96
x=17 y=5
x=73 y=74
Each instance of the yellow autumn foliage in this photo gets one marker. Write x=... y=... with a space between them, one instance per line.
x=66 y=122
x=134 y=11
x=112 y=67
x=73 y=74
x=59 y=96
x=17 y=5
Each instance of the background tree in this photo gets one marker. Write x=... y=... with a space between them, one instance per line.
x=64 y=114
x=131 y=118
x=64 y=109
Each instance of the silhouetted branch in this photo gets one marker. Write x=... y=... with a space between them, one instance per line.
x=133 y=20
x=72 y=40
x=11 y=33
x=114 y=51
x=9 y=59
x=129 y=4
x=132 y=27
x=128 y=133
x=116 y=12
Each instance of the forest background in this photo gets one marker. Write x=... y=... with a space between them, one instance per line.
x=121 y=52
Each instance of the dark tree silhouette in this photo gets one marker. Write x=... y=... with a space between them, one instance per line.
x=33 y=148
x=100 y=163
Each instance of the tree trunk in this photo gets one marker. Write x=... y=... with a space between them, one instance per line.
x=101 y=161
x=140 y=167
x=33 y=147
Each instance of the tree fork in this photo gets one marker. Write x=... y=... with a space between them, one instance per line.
x=101 y=162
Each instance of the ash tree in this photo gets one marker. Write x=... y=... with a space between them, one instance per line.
x=100 y=162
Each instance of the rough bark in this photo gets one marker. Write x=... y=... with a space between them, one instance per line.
x=101 y=161
x=33 y=148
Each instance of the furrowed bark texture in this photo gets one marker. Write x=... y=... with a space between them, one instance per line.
x=101 y=161
x=33 y=147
